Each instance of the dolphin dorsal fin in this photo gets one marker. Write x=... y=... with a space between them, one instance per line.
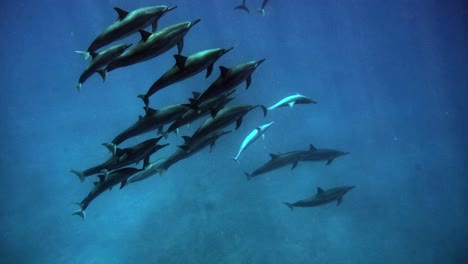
x=121 y=13
x=180 y=61
x=144 y=35
x=274 y=156
x=151 y=111
x=93 y=54
x=319 y=190
x=312 y=148
x=186 y=139
x=195 y=94
x=224 y=71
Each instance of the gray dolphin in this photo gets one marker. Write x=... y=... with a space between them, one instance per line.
x=106 y=181
x=100 y=61
x=126 y=24
x=277 y=161
x=322 y=197
x=193 y=146
x=228 y=80
x=242 y=7
x=152 y=45
x=123 y=157
x=212 y=104
x=225 y=117
x=184 y=68
x=154 y=119
x=322 y=154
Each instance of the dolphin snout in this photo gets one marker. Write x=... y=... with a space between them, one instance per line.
x=260 y=62
x=227 y=50
x=194 y=22
x=345 y=153
x=171 y=8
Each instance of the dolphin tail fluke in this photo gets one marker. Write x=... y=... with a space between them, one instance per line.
x=78 y=86
x=111 y=147
x=290 y=205
x=236 y=159
x=261 y=10
x=242 y=7
x=79 y=174
x=102 y=73
x=264 y=109
x=81 y=213
x=145 y=99
x=85 y=54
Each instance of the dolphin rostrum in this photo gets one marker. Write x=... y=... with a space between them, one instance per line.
x=322 y=197
x=292 y=100
x=126 y=24
x=251 y=138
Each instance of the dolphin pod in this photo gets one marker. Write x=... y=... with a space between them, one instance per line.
x=213 y=103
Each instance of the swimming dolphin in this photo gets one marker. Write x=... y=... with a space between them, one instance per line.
x=106 y=181
x=126 y=24
x=225 y=117
x=242 y=7
x=154 y=119
x=322 y=197
x=100 y=61
x=212 y=104
x=228 y=80
x=277 y=161
x=251 y=138
x=152 y=45
x=193 y=146
x=322 y=154
x=184 y=68
x=292 y=100
x=124 y=157
x=262 y=9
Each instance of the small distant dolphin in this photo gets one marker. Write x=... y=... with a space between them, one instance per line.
x=322 y=154
x=152 y=45
x=292 y=100
x=106 y=181
x=184 y=68
x=126 y=24
x=277 y=161
x=262 y=9
x=251 y=138
x=242 y=7
x=322 y=197
x=100 y=61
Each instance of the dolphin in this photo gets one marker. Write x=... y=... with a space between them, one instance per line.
x=106 y=181
x=154 y=119
x=292 y=100
x=225 y=117
x=193 y=146
x=100 y=61
x=251 y=138
x=184 y=68
x=160 y=166
x=322 y=154
x=262 y=9
x=126 y=24
x=124 y=157
x=277 y=161
x=228 y=80
x=212 y=104
x=322 y=197
x=152 y=45
x=242 y=7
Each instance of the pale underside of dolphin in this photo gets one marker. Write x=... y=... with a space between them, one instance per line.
x=292 y=100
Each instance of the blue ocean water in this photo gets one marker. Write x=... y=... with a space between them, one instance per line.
x=390 y=79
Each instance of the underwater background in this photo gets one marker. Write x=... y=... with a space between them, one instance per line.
x=390 y=79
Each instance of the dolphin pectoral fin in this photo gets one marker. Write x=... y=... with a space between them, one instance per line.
x=294 y=164
x=248 y=81
x=102 y=73
x=124 y=182
x=180 y=61
x=145 y=163
x=339 y=200
x=144 y=35
x=209 y=70
x=79 y=174
x=180 y=46
x=85 y=54
x=121 y=13
x=291 y=104
x=154 y=26
x=81 y=213
x=290 y=205
x=238 y=123
x=329 y=161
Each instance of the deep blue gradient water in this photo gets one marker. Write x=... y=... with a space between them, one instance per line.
x=390 y=78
